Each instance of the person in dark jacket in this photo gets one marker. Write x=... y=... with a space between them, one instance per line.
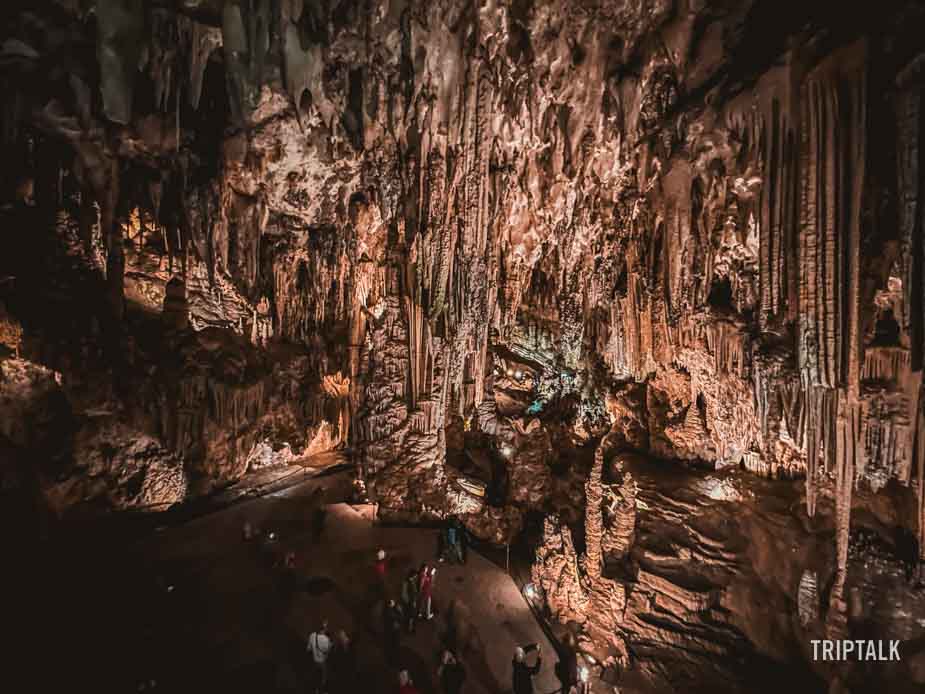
x=454 y=541
x=319 y=515
x=409 y=599
x=441 y=545
x=460 y=541
x=567 y=667
x=343 y=665
x=391 y=631
x=463 y=543
x=523 y=673
x=451 y=674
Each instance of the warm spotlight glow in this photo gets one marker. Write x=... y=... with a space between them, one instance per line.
x=506 y=451
x=518 y=375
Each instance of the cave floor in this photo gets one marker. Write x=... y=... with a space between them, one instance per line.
x=195 y=607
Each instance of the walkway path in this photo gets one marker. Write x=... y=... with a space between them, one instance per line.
x=219 y=612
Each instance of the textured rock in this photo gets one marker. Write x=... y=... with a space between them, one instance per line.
x=537 y=189
x=717 y=572
x=30 y=402
x=249 y=232
x=121 y=468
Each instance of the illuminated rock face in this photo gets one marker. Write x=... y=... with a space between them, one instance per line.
x=248 y=232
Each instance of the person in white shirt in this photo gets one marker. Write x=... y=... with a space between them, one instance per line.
x=319 y=645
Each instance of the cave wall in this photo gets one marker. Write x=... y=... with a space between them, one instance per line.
x=710 y=209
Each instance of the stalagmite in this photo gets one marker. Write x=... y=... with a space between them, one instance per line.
x=808 y=598
x=594 y=521
x=620 y=529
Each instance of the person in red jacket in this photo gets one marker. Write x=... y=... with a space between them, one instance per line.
x=381 y=567
x=381 y=570
x=405 y=685
x=426 y=591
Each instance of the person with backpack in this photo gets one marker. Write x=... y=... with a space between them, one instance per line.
x=319 y=646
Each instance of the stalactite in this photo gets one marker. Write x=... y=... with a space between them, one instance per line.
x=203 y=40
x=832 y=172
x=119 y=45
x=886 y=364
x=727 y=345
x=245 y=42
x=815 y=439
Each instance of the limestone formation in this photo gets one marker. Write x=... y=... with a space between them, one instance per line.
x=491 y=251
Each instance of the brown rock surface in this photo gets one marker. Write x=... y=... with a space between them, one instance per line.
x=464 y=243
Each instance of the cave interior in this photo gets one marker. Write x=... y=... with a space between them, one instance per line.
x=633 y=289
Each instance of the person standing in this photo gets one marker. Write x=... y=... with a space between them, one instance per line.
x=381 y=572
x=248 y=532
x=523 y=673
x=426 y=587
x=456 y=541
x=405 y=685
x=452 y=542
x=567 y=667
x=409 y=600
x=451 y=674
x=319 y=645
x=441 y=544
x=343 y=664
x=391 y=631
x=319 y=515
x=462 y=542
